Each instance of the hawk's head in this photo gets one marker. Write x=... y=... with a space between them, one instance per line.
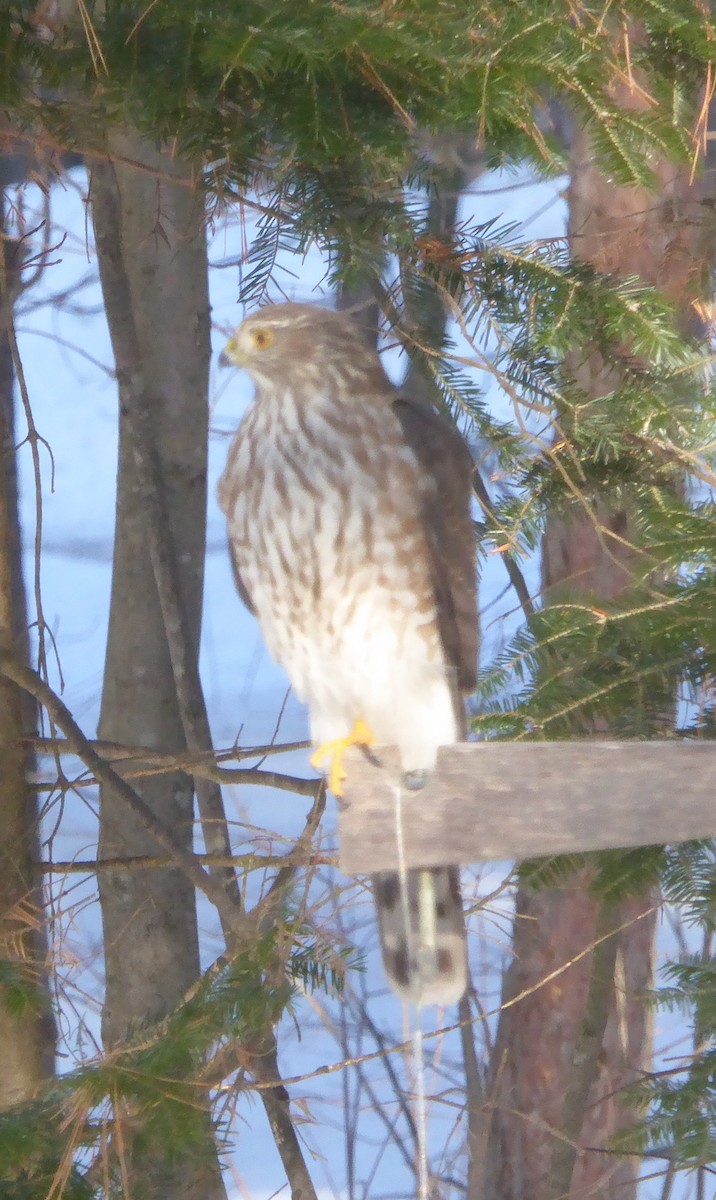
x=283 y=344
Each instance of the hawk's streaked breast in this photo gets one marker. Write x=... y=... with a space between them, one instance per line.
x=324 y=519
x=350 y=527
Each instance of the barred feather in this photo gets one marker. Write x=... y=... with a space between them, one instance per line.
x=326 y=501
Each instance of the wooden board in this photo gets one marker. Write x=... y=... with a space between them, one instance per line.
x=518 y=800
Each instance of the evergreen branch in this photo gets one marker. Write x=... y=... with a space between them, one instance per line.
x=251 y=104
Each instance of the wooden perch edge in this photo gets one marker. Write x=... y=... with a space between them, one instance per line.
x=518 y=800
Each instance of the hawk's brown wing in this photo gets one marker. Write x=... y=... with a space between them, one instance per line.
x=226 y=495
x=240 y=585
x=447 y=467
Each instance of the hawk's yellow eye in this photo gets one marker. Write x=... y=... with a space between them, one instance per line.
x=261 y=338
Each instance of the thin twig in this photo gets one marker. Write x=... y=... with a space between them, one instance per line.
x=402 y=1047
x=248 y=776
x=122 y=792
x=139 y=862
x=517 y=579
x=35 y=440
x=183 y=761
x=302 y=846
x=390 y=1071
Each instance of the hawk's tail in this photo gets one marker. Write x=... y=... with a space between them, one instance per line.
x=424 y=949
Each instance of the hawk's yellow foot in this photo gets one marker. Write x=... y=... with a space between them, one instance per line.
x=360 y=735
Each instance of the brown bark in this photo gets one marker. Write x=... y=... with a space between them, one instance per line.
x=551 y=1035
x=27 y=1037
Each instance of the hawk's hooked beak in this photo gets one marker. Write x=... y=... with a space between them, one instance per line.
x=231 y=356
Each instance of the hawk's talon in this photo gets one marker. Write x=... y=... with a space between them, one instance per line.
x=360 y=735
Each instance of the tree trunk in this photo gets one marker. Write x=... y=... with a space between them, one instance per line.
x=148 y=216
x=554 y=1035
x=26 y=1036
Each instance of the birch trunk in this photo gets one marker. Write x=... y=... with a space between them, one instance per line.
x=148 y=216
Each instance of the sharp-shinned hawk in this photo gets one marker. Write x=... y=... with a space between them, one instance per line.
x=348 y=510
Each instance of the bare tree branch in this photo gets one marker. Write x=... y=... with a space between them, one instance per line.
x=31 y=682
x=185 y=761
x=134 y=862
x=249 y=776
x=517 y=579
x=276 y=1102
